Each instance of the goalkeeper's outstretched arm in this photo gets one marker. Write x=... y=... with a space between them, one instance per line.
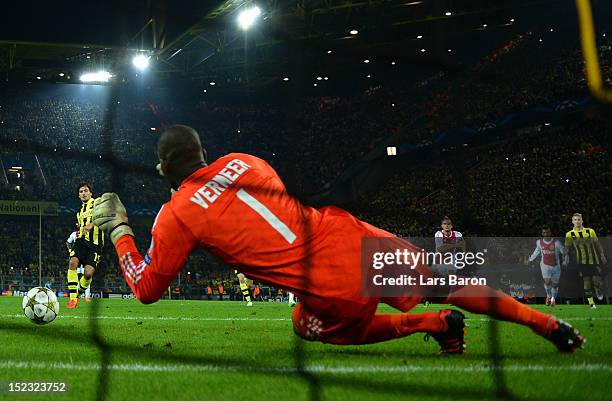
x=171 y=244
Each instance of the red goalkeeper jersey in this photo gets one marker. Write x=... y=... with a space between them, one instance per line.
x=239 y=210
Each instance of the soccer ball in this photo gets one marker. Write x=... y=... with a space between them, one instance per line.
x=40 y=305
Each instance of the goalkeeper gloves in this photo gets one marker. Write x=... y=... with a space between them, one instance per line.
x=110 y=216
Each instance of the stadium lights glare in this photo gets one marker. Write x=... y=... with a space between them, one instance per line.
x=511 y=19
x=37 y=77
x=448 y=13
x=141 y=61
x=61 y=74
x=393 y=63
x=212 y=83
x=450 y=50
x=101 y=76
x=247 y=17
x=420 y=37
x=330 y=52
x=423 y=50
x=484 y=25
x=366 y=61
x=285 y=79
x=353 y=31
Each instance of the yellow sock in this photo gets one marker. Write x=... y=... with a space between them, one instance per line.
x=84 y=284
x=73 y=281
x=244 y=287
x=591 y=301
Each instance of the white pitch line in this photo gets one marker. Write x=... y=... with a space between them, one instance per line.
x=138 y=367
x=203 y=319
x=257 y=319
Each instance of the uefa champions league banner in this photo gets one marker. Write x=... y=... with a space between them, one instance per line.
x=418 y=267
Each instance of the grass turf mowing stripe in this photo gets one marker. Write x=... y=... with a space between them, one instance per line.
x=137 y=367
x=262 y=319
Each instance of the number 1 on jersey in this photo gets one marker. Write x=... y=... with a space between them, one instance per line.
x=267 y=215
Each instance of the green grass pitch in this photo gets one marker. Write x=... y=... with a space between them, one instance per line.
x=198 y=350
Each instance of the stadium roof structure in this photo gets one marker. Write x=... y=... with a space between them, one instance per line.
x=302 y=40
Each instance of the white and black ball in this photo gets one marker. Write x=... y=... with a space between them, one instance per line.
x=40 y=305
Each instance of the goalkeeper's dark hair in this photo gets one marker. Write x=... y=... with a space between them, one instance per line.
x=84 y=184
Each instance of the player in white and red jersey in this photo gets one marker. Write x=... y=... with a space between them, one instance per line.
x=239 y=209
x=448 y=242
x=550 y=264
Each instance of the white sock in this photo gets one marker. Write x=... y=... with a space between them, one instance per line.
x=291 y=297
x=554 y=292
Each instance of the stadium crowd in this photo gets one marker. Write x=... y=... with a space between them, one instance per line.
x=540 y=175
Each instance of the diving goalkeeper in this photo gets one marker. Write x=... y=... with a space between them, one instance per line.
x=238 y=208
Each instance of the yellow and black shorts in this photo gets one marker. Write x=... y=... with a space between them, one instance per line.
x=589 y=270
x=85 y=254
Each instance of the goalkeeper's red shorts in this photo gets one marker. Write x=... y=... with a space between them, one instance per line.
x=341 y=322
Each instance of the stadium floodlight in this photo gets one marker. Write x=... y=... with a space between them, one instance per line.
x=141 y=61
x=100 y=76
x=353 y=31
x=247 y=17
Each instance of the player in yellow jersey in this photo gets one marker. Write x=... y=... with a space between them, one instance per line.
x=87 y=247
x=244 y=287
x=588 y=255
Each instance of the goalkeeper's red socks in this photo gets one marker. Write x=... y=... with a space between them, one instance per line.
x=385 y=327
x=489 y=301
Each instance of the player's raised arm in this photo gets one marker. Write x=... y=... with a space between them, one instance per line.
x=148 y=276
